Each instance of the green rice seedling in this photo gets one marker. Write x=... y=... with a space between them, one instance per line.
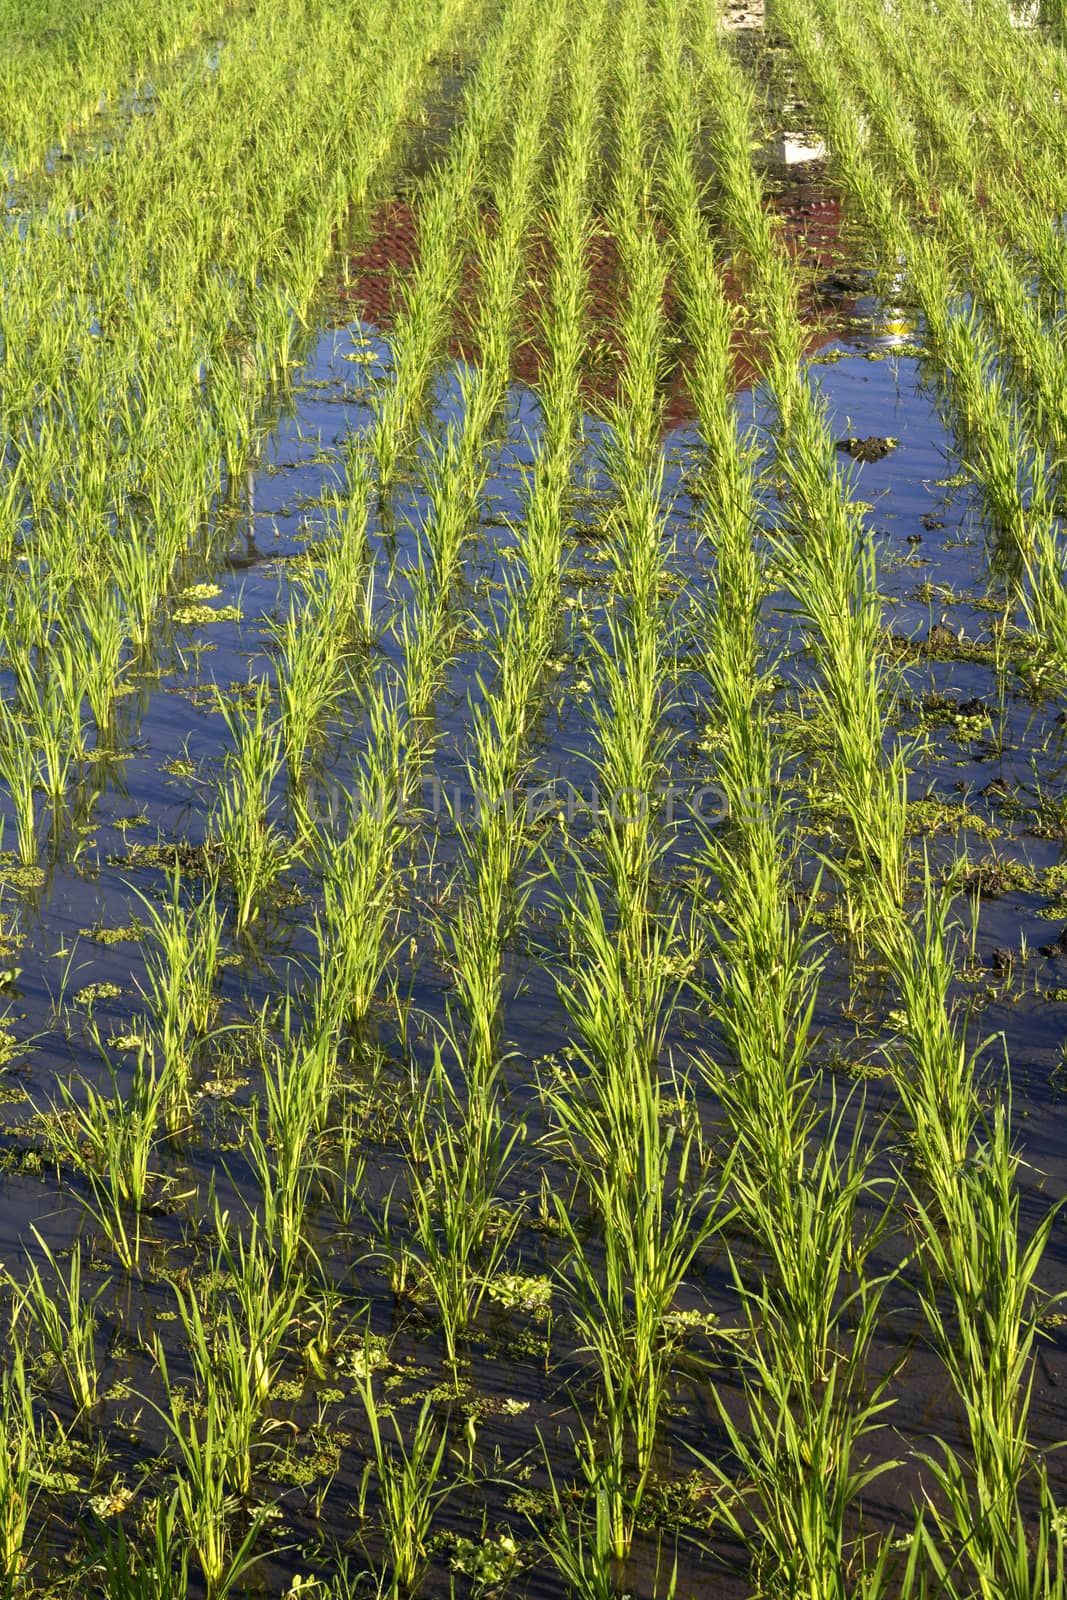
x=985 y=1334
x=767 y=979
x=620 y=997
x=460 y=1232
x=1007 y=1554
x=979 y=1295
x=252 y=845
x=321 y=1324
x=162 y=445
x=64 y=1321
x=360 y=869
x=584 y=1558
x=569 y=228
x=767 y=1022
x=476 y=937
x=648 y=1190
x=343 y=1176
x=990 y=431
x=654 y=1222
x=181 y=966
x=418 y=337
x=207 y=1447
x=1025 y=351
x=915 y=96
x=728 y=484
x=495 y=846
x=765 y=976
x=924 y=90
x=630 y=662
x=804 y=1343
x=347 y=567
x=310 y=675
x=1044 y=597
x=452 y=486
x=236 y=1356
x=21 y=770
x=34 y=607
x=937 y=1090
x=409 y=1492
x=392 y=1248
x=57 y=68
x=141 y=578
x=502 y=248
x=852 y=695
x=831 y=570
x=316 y=1053
x=455 y=465
x=282 y=1158
x=99 y=639
x=161 y=1572
x=419 y=632
x=444 y=208
x=266 y=1312
x=111 y=1140
x=813 y=1244
x=55 y=738
x=20 y=1456
x=633 y=748
x=995 y=444
x=522 y=641
x=799 y=1453
x=49 y=699
x=352 y=931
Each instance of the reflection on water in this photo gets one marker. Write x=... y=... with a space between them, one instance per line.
x=810 y=229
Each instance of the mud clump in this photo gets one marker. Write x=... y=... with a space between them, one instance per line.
x=873 y=448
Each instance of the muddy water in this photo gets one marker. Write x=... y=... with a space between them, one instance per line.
x=990 y=783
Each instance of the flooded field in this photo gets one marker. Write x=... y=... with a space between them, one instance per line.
x=533 y=907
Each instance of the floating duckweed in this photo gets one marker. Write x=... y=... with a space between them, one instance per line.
x=370 y=1355
x=131 y=933
x=519 y=1292
x=97 y=991
x=488 y=1563
x=201 y=615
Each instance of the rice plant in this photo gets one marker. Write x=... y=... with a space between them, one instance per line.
x=410 y=1488
x=111 y=1141
x=19 y=1471
x=64 y=1320
x=207 y=1451
x=460 y=1229
x=181 y=969
x=161 y=1572
x=252 y=845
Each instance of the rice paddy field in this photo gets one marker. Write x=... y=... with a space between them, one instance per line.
x=533 y=891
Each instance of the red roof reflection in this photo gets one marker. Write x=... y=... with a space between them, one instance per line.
x=810 y=228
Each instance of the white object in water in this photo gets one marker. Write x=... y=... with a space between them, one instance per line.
x=792 y=149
